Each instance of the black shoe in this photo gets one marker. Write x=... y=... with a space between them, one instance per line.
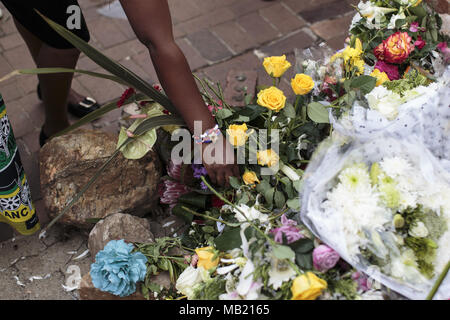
x=42 y=138
x=78 y=110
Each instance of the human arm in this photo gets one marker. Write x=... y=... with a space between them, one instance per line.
x=152 y=23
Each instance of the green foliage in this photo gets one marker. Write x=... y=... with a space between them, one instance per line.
x=412 y=80
x=425 y=251
x=165 y=254
x=210 y=290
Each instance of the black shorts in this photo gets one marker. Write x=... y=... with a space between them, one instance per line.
x=56 y=10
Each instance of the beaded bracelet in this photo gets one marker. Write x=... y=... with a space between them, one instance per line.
x=210 y=135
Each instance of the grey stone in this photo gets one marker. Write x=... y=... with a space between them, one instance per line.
x=68 y=162
x=116 y=227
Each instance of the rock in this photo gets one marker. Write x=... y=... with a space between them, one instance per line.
x=119 y=226
x=171 y=226
x=441 y=6
x=87 y=291
x=68 y=162
x=240 y=83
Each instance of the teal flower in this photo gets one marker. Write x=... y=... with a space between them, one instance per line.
x=117 y=270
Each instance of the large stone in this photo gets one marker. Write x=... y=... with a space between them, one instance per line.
x=87 y=291
x=68 y=162
x=116 y=227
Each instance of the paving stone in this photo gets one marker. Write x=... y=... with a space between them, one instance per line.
x=19 y=58
x=234 y=36
x=219 y=71
x=304 y=5
x=193 y=57
x=284 y=19
x=11 y=41
x=331 y=10
x=259 y=29
x=333 y=28
x=243 y=7
x=106 y=32
x=299 y=40
x=337 y=43
x=19 y=119
x=239 y=84
x=209 y=46
x=204 y=22
x=10 y=91
x=183 y=10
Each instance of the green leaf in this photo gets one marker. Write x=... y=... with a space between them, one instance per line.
x=224 y=113
x=181 y=213
x=303 y=246
x=294 y=204
x=194 y=199
x=140 y=145
x=229 y=239
x=364 y=83
x=318 y=113
x=235 y=183
x=283 y=252
x=289 y=111
x=304 y=261
x=114 y=68
x=280 y=199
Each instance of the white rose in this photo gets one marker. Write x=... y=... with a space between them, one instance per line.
x=419 y=230
x=250 y=214
x=188 y=279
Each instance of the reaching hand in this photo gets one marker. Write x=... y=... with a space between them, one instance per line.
x=219 y=161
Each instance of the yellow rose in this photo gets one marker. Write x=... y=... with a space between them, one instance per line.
x=250 y=177
x=272 y=98
x=359 y=63
x=276 y=66
x=205 y=256
x=302 y=84
x=307 y=287
x=237 y=134
x=267 y=158
x=382 y=77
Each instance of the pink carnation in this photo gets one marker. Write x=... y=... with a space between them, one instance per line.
x=171 y=191
x=390 y=69
x=288 y=230
x=324 y=258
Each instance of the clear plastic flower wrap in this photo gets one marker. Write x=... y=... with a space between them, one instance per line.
x=426 y=117
x=376 y=202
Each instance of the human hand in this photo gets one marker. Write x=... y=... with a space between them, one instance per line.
x=219 y=161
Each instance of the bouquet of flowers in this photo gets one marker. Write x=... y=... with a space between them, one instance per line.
x=382 y=206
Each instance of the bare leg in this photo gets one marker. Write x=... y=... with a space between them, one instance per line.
x=55 y=88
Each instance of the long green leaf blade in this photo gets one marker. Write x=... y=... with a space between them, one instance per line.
x=113 y=67
x=96 y=114
x=67 y=70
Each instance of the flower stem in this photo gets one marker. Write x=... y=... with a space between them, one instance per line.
x=438 y=282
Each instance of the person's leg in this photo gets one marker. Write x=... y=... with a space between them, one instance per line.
x=55 y=88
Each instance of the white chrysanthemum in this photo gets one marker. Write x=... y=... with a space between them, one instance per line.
x=405 y=267
x=358 y=209
x=395 y=166
x=280 y=272
x=355 y=177
x=435 y=197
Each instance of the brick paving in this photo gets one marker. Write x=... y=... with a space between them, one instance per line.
x=216 y=36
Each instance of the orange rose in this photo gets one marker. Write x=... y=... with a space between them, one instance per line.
x=395 y=49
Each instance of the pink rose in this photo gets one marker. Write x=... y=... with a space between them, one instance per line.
x=390 y=69
x=324 y=258
x=420 y=43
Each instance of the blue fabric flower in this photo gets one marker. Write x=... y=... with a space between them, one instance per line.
x=116 y=270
